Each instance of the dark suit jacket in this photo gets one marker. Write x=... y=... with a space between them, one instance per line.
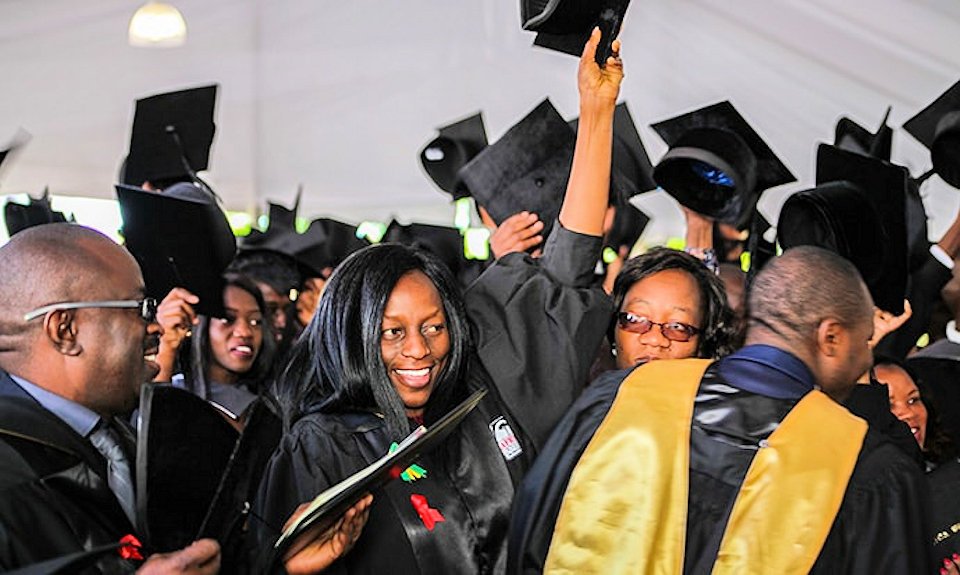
x=54 y=495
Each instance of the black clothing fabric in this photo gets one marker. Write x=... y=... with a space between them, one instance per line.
x=878 y=529
x=54 y=495
x=536 y=326
x=945 y=515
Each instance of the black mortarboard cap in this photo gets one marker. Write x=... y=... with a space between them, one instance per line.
x=171 y=136
x=444 y=242
x=526 y=169
x=19 y=217
x=632 y=172
x=857 y=211
x=938 y=128
x=851 y=136
x=453 y=148
x=281 y=236
x=181 y=239
x=341 y=241
x=183 y=449
x=565 y=25
x=717 y=164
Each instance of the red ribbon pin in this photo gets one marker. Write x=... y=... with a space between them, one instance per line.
x=428 y=515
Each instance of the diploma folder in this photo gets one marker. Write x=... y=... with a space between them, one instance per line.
x=327 y=507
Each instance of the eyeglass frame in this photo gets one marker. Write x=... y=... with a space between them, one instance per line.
x=622 y=321
x=146 y=306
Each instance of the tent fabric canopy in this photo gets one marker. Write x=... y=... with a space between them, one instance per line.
x=342 y=96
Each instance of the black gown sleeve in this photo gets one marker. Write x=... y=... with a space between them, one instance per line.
x=882 y=525
x=537 y=326
x=537 y=501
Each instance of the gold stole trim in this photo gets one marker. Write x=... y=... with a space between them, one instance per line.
x=624 y=510
x=793 y=490
x=618 y=516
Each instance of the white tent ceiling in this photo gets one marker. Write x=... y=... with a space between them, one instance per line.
x=340 y=96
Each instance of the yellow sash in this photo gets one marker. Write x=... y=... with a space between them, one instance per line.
x=624 y=510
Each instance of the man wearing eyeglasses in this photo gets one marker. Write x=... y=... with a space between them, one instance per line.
x=77 y=338
x=747 y=464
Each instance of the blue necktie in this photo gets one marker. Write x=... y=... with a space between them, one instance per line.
x=118 y=468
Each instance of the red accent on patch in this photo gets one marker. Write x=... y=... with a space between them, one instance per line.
x=428 y=515
x=395 y=472
x=130 y=548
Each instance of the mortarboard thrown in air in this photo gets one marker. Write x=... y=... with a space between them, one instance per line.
x=717 y=164
x=526 y=169
x=180 y=238
x=453 y=148
x=856 y=211
x=39 y=211
x=171 y=137
x=565 y=25
x=938 y=128
x=853 y=137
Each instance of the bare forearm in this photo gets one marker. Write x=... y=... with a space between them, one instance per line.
x=588 y=189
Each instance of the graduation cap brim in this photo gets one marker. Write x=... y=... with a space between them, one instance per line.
x=306 y=249
x=938 y=128
x=719 y=137
x=178 y=242
x=632 y=171
x=857 y=211
x=154 y=154
x=526 y=169
x=183 y=449
x=444 y=242
x=455 y=145
x=565 y=25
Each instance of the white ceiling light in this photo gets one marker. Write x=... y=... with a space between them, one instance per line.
x=159 y=25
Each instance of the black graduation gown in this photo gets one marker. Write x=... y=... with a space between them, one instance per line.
x=879 y=528
x=537 y=326
x=945 y=516
x=54 y=495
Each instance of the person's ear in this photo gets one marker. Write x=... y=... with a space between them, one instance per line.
x=60 y=327
x=830 y=337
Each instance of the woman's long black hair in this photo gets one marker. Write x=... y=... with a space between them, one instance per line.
x=195 y=357
x=939 y=447
x=719 y=332
x=337 y=365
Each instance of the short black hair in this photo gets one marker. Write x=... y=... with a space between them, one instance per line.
x=793 y=293
x=718 y=328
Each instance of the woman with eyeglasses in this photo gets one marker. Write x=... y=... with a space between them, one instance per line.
x=670 y=306
x=226 y=360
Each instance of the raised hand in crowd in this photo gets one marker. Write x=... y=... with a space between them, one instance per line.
x=885 y=322
x=518 y=233
x=176 y=316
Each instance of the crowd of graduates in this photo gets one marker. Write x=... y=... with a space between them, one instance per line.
x=746 y=404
